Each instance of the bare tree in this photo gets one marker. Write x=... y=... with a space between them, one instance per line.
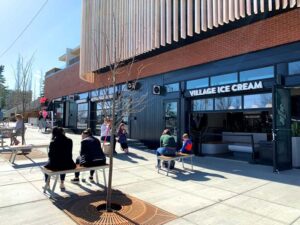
x=23 y=78
x=118 y=101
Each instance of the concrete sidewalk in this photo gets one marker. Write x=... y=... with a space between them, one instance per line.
x=217 y=192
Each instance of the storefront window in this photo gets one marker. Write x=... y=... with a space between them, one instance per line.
x=224 y=79
x=83 y=95
x=82 y=115
x=199 y=83
x=103 y=110
x=172 y=87
x=258 y=101
x=257 y=74
x=203 y=104
x=95 y=93
x=294 y=68
x=228 y=103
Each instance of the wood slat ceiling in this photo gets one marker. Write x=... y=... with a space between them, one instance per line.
x=117 y=30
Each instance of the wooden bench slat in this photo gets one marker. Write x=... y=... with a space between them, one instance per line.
x=77 y=169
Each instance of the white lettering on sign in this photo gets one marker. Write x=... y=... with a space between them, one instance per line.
x=227 y=88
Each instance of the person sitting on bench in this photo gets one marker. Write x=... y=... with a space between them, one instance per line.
x=167 y=147
x=187 y=144
x=60 y=154
x=17 y=131
x=91 y=154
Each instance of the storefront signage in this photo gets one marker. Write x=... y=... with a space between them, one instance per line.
x=227 y=88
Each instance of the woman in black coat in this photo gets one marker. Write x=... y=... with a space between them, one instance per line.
x=60 y=154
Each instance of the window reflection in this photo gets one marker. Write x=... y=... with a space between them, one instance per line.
x=228 y=103
x=203 y=104
x=82 y=115
x=172 y=87
x=258 y=101
x=294 y=68
x=224 y=79
x=83 y=95
x=199 y=83
x=257 y=74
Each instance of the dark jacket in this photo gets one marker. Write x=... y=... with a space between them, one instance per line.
x=91 y=151
x=60 y=154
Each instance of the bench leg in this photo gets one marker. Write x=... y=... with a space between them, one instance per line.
x=55 y=182
x=182 y=160
x=13 y=156
x=97 y=179
x=47 y=182
x=169 y=165
x=104 y=177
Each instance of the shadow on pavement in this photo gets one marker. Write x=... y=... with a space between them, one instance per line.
x=28 y=165
x=130 y=157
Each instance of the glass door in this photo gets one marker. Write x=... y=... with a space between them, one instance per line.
x=72 y=115
x=171 y=118
x=282 y=154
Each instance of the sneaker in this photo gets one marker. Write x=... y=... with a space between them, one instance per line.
x=91 y=179
x=75 y=180
x=62 y=186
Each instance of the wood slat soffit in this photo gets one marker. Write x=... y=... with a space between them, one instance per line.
x=116 y=30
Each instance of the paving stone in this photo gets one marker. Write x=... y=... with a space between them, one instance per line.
x=266 y=209
x=11 y=177
x=34 y=213
x=220 y=214
x=280 y=193
x=19 y=193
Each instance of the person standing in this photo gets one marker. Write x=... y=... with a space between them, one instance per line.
x=91 y=154
x=122 y=135
x=167 y=146
x=105 y=135
x=45 y=115
x=40 y=120
x=60 y=155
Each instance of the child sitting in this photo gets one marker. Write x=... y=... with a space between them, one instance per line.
x=187 y=144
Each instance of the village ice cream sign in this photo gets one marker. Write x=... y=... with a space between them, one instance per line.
x=247 y=86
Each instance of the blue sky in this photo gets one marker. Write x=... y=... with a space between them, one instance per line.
x=56 y=28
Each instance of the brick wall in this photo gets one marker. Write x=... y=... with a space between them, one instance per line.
x=66 y=82
x=275 y=31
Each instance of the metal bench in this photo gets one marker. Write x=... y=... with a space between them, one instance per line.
x=178 y=157
x=78 y=168
x=5 y=132
x=24 y=149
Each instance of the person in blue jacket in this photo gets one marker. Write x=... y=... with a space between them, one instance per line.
x=187 y=144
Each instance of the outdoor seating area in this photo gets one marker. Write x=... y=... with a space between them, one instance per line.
x=207 y=184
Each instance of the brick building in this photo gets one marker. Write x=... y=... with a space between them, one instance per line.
x=219 y=70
